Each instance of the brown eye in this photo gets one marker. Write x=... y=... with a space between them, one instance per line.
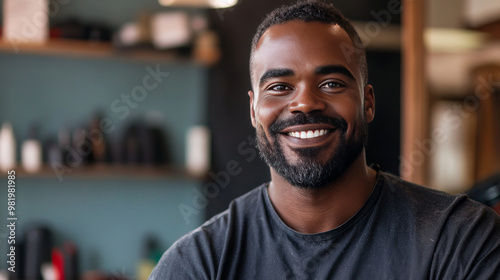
x=279 y=88
x=332 y=85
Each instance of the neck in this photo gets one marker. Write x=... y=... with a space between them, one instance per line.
x=313 y=211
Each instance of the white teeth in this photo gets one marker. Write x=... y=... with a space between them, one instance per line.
x=308 y=134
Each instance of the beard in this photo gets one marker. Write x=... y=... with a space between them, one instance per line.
x=308 y=172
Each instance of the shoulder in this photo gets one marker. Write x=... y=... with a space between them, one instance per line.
x=427 y=201
x=196 y=254
x=464 y=234
x=400 y=187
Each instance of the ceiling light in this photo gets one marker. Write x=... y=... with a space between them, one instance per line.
x=216 y=4
x=453 y=40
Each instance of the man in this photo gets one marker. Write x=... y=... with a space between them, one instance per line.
x=326 y=214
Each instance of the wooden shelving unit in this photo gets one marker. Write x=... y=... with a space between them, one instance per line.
x=60 y=47
x=104 y=50
x=79 y=48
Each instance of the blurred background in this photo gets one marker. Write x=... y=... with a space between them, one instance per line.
x=127 y=123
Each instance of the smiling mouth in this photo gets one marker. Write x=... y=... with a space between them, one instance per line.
x=307 y=134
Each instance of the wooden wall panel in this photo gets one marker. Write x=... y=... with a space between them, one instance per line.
x=415 y=99
x=488 y=127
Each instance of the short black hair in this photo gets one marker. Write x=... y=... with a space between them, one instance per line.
x=313 y=11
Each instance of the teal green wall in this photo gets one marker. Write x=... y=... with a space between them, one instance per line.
x=107 y=219
x=58 y=92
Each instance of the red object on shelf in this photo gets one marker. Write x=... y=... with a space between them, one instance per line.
x=55 y=33
x=58 y=263
x=497 y=208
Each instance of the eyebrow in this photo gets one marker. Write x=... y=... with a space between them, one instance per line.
x=321 y=70
x=332 y=69
x=275 y=73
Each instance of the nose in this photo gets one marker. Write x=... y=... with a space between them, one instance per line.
x=306 y=101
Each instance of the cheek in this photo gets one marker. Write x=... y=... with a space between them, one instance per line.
x=267 y=111
x=351 y=111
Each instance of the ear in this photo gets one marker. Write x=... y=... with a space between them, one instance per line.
x=369 y=101
x=252 y=111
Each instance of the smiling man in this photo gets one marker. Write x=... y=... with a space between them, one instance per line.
x=326 y=214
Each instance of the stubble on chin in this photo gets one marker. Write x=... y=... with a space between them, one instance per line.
x=307 y=171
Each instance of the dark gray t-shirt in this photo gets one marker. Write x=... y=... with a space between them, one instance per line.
x=403 y=231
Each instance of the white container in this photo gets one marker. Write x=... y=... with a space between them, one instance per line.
x=170 y=30
x=25 y=21
x=31 y=156
x=198 y=150
x=7 y=148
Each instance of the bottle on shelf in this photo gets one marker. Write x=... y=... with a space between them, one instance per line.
x=198 y=150
x=7 y=148
x=97 y=140
x=31 y=153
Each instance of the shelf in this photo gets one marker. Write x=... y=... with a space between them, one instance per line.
x=103 y=171
x=79 y=48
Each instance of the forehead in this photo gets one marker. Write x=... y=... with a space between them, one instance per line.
x=303 y=46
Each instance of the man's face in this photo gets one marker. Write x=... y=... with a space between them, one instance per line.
x=309 y=105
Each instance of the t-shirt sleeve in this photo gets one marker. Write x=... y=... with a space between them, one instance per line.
x=183 y=261
x=486 y=261
x=487 y=267
x=470 y=249
x=195 y=255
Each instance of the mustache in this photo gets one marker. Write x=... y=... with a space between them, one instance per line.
x=301 y=119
